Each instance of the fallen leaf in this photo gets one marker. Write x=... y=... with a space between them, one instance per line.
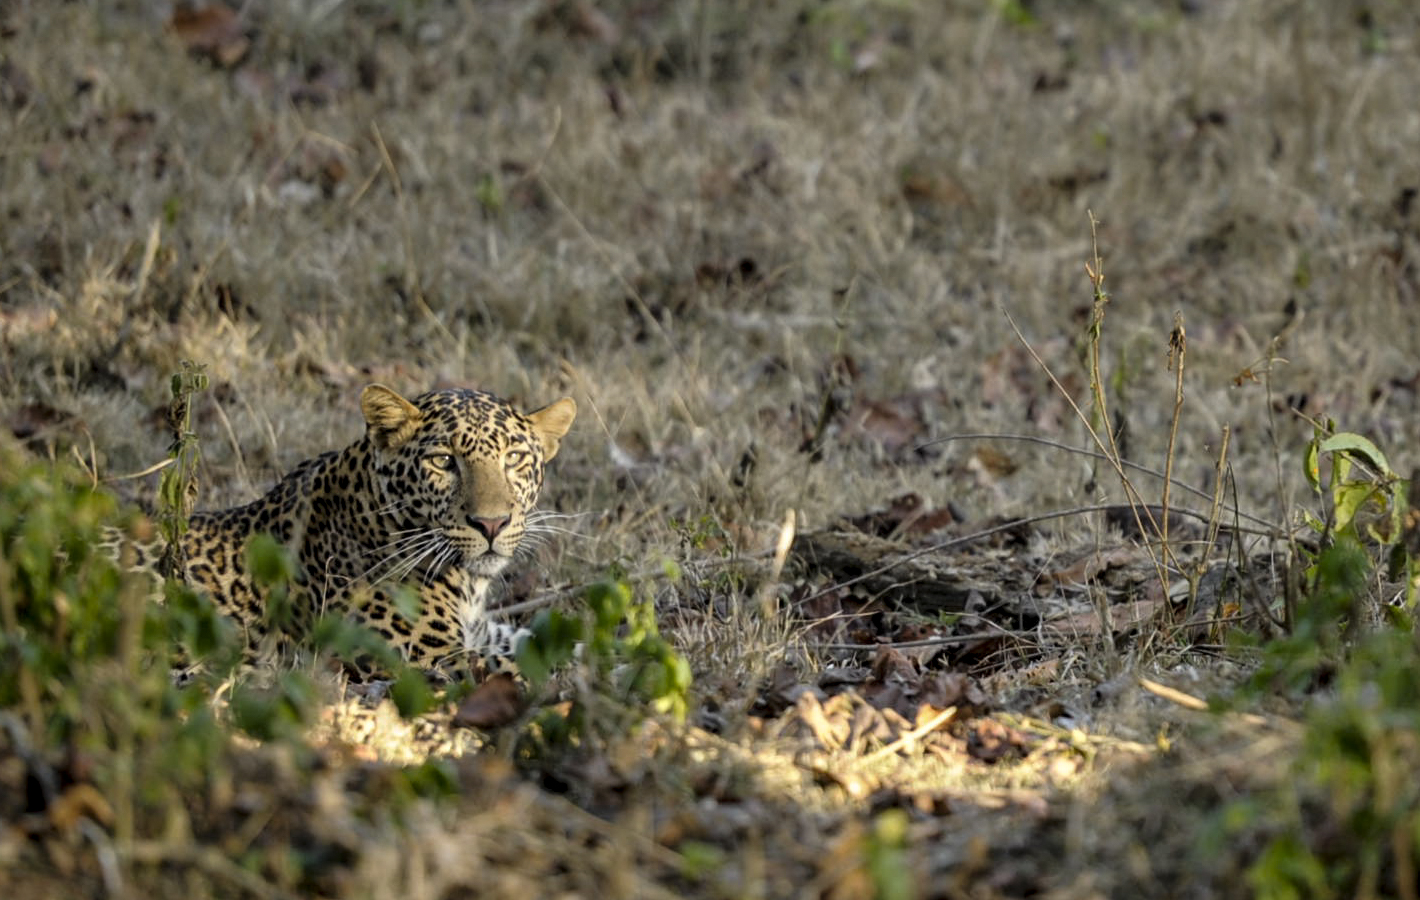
x=829 y=734
x=1124 y=616
x=944 y=689
x=991 y=741
x=493 y=704
x=213 y=32
x=78 y=801
x=896 y=424
x=890 y=663
x=1090 y=566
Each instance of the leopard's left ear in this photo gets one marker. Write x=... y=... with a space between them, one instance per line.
x=551 y=423
x=392 y=419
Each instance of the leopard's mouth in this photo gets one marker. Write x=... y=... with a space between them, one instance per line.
x=485 y=560
x=489 y=562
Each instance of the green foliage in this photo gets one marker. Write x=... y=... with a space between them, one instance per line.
x=1364 y=502
x=84 y=655
x=411 y=693
x=887 y=857
x=1349 y=815
x=1347 y=822
x=1361 y=481
x=282 y=711
x=623 y=662
x=178 y=488
x=489 y=194
x=1016 y=13
x=274 y=567
x=552 y=644
x=1360 y=526
x=704 y=533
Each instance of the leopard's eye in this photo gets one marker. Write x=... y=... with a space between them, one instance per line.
x=514 y=458
x=444 y=461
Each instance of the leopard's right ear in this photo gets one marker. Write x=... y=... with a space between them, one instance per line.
x=391 y=418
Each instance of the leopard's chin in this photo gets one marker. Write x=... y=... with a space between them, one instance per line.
x=488 y=563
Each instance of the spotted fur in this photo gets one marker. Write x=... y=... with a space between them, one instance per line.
x=435 y=497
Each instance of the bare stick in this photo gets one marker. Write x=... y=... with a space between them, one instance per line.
x=1178 y=346
x=922 y=730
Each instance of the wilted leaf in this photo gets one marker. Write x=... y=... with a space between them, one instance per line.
x=991 y=741
x=78 y=801
x=1123 y=617
x=944 y=689
x=1090 y=566
x=212 y=31
x=493 y=704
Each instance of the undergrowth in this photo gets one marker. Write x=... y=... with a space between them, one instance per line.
x=1340 y=642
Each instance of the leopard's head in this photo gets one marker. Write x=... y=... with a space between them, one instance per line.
x=458 y=471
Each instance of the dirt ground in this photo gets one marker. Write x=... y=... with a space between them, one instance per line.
x=810 y=269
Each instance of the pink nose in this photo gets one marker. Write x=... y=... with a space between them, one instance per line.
x=489 y=528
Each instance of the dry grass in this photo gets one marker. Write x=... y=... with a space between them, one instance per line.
x=700 y=220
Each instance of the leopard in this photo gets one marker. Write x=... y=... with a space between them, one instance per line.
x=432 y=502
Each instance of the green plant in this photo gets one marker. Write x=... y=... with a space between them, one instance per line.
x=293 y=701
x=622 y=663
x=177 y=490
x=1347 y=823
x=84 y=656
x=1363 y=501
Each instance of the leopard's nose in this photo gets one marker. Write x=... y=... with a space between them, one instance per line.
x=489 y=528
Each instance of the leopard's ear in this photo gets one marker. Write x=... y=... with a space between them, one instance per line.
x=551 y=423
x=391 y=418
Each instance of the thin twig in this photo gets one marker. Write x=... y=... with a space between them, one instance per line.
x=945 y=640
x=909 y=737
x=1274 y=529
x=1178 y=347
x=1188 y=701
x=975 y=536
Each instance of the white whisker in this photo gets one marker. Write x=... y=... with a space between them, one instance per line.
x=551 y=529
x=404 y=554
x=537 y=516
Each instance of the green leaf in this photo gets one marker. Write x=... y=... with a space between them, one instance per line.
x=552 y=644
x=1350 y=442
x=269 y=562
x=433 y=779
x=407 y=602
x=1349 y=497
x=411 y=693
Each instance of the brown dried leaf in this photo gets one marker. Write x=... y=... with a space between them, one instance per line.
x=213 y=32
x=1091 y=566
x=991 y=741
x=890 y=663
x=1124 y=616
x=896 y=424
x=885 y=522
x=943 y=689
x=493 y=704
x=78 y=801
x=829 y=734
x=990 y=463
